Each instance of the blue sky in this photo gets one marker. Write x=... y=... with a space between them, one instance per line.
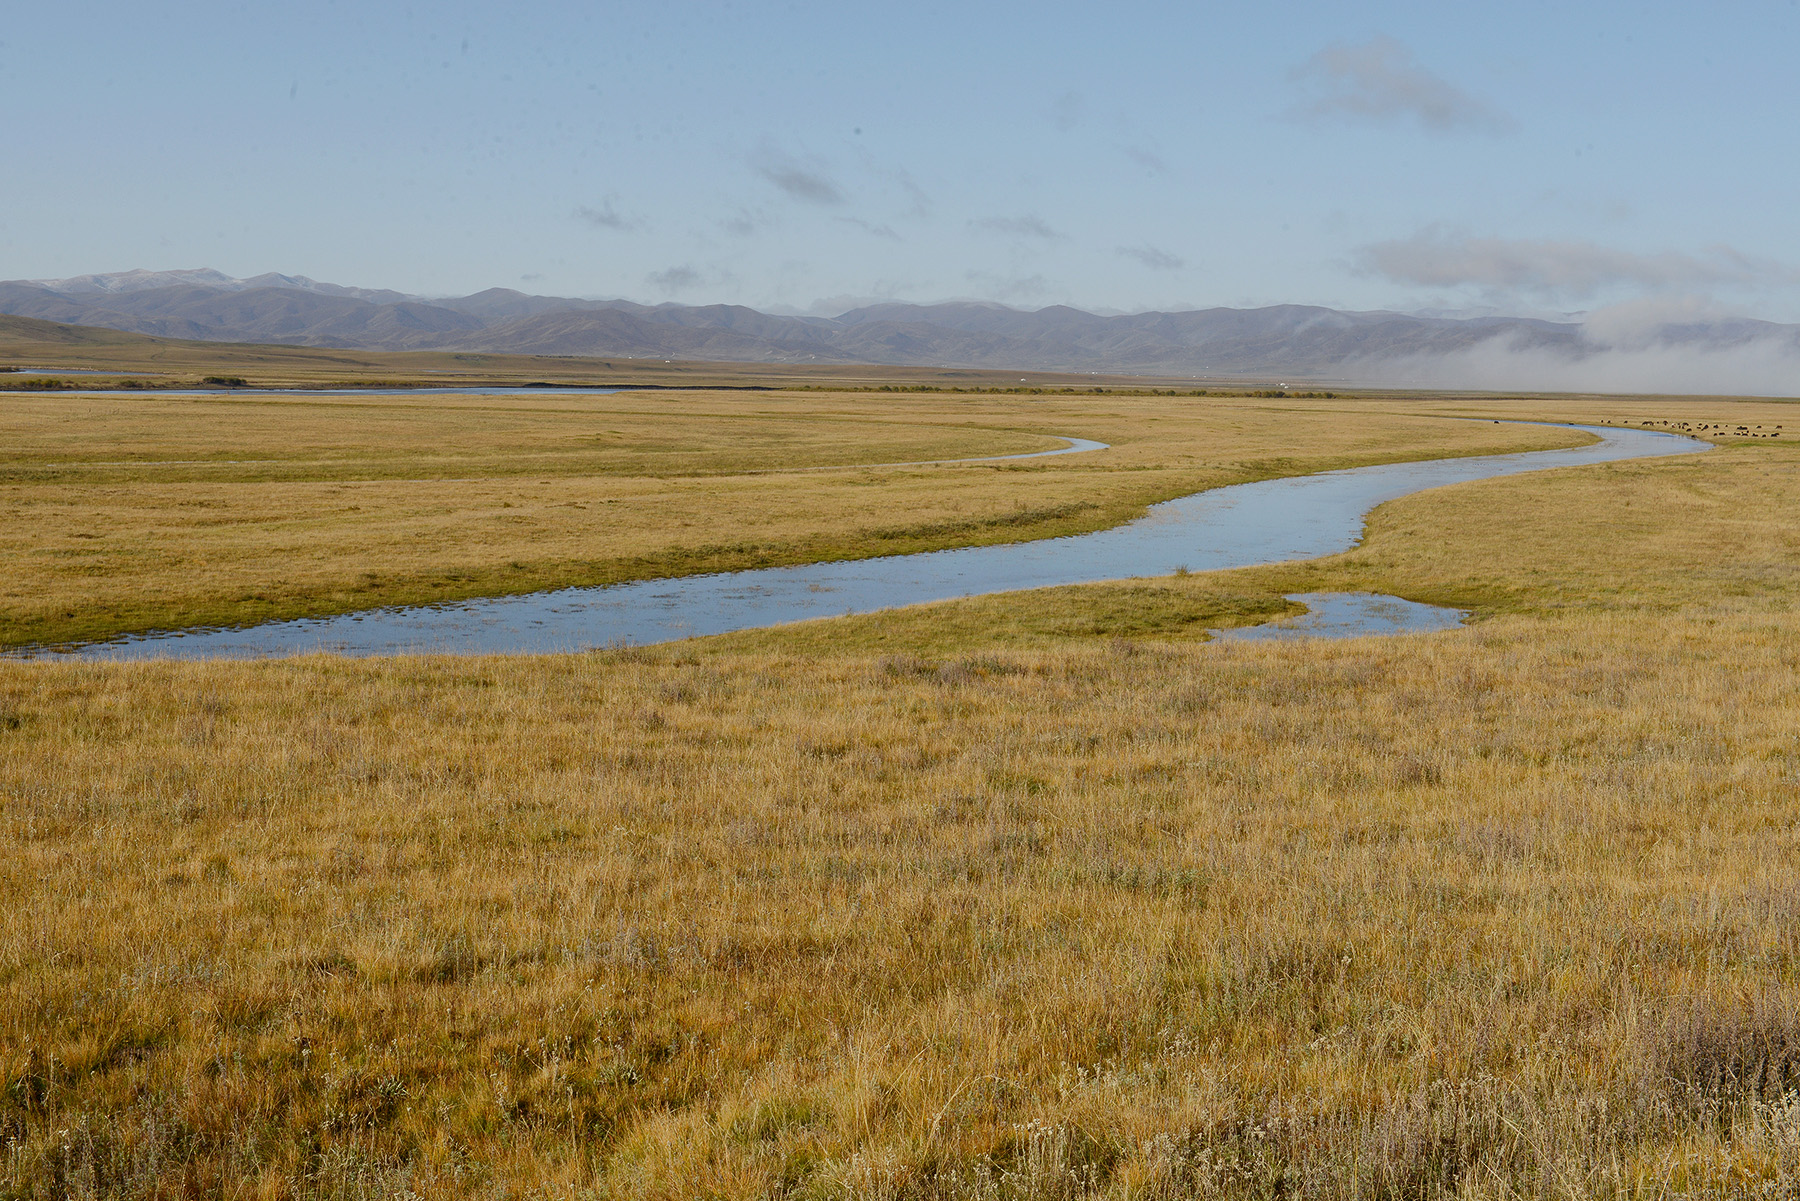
x=1529 y=157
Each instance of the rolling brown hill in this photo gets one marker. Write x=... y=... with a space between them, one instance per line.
x=1302 y=340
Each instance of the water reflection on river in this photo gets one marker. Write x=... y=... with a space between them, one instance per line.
x=1301 y=517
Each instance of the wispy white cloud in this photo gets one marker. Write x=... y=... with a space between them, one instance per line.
x=1066 y=111
x=674 y=279
x=1561 y=270
x=871 y=228
x=1760 y=366
x=744 y=223
x=606 y=215
x=803 y=179
x=1380 y=81
x=1149 y=160
x=1153 y=257
x=1017 y=227
x=1641 y=322
x=918 y=200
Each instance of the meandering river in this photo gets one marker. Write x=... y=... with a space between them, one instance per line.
x=1300 y=517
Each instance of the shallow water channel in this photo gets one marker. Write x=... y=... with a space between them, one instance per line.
x=1348 y=615
x=1300 y=517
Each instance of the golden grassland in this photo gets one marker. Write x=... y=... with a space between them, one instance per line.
x=1509 y=911
x=122 y=512
x=1027 y=896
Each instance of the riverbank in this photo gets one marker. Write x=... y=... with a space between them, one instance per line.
x=1292 y=518
x=126 y=514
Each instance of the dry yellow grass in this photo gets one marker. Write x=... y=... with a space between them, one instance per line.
x=1511 y=910
x=122 y=512
x=1040 y=903
x=1026 y=896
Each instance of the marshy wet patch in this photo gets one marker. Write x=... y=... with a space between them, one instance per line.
x=1349 y=615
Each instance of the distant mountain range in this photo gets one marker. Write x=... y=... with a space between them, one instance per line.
x=1298 y=340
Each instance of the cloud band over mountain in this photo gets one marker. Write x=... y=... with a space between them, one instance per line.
x=1558 y=270
x=1661 y=347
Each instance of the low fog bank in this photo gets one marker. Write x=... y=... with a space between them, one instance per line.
x=1768 y=366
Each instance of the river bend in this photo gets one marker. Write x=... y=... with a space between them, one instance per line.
x=1299 y=517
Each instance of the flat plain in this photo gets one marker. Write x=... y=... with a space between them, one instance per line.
x=1029 y=896
x=122 y=512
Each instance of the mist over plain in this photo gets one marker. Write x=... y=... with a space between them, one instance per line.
x=1664 y=346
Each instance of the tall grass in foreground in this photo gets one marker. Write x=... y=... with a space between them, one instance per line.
x=1510 y=912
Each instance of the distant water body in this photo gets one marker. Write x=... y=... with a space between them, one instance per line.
x=1300 y=517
